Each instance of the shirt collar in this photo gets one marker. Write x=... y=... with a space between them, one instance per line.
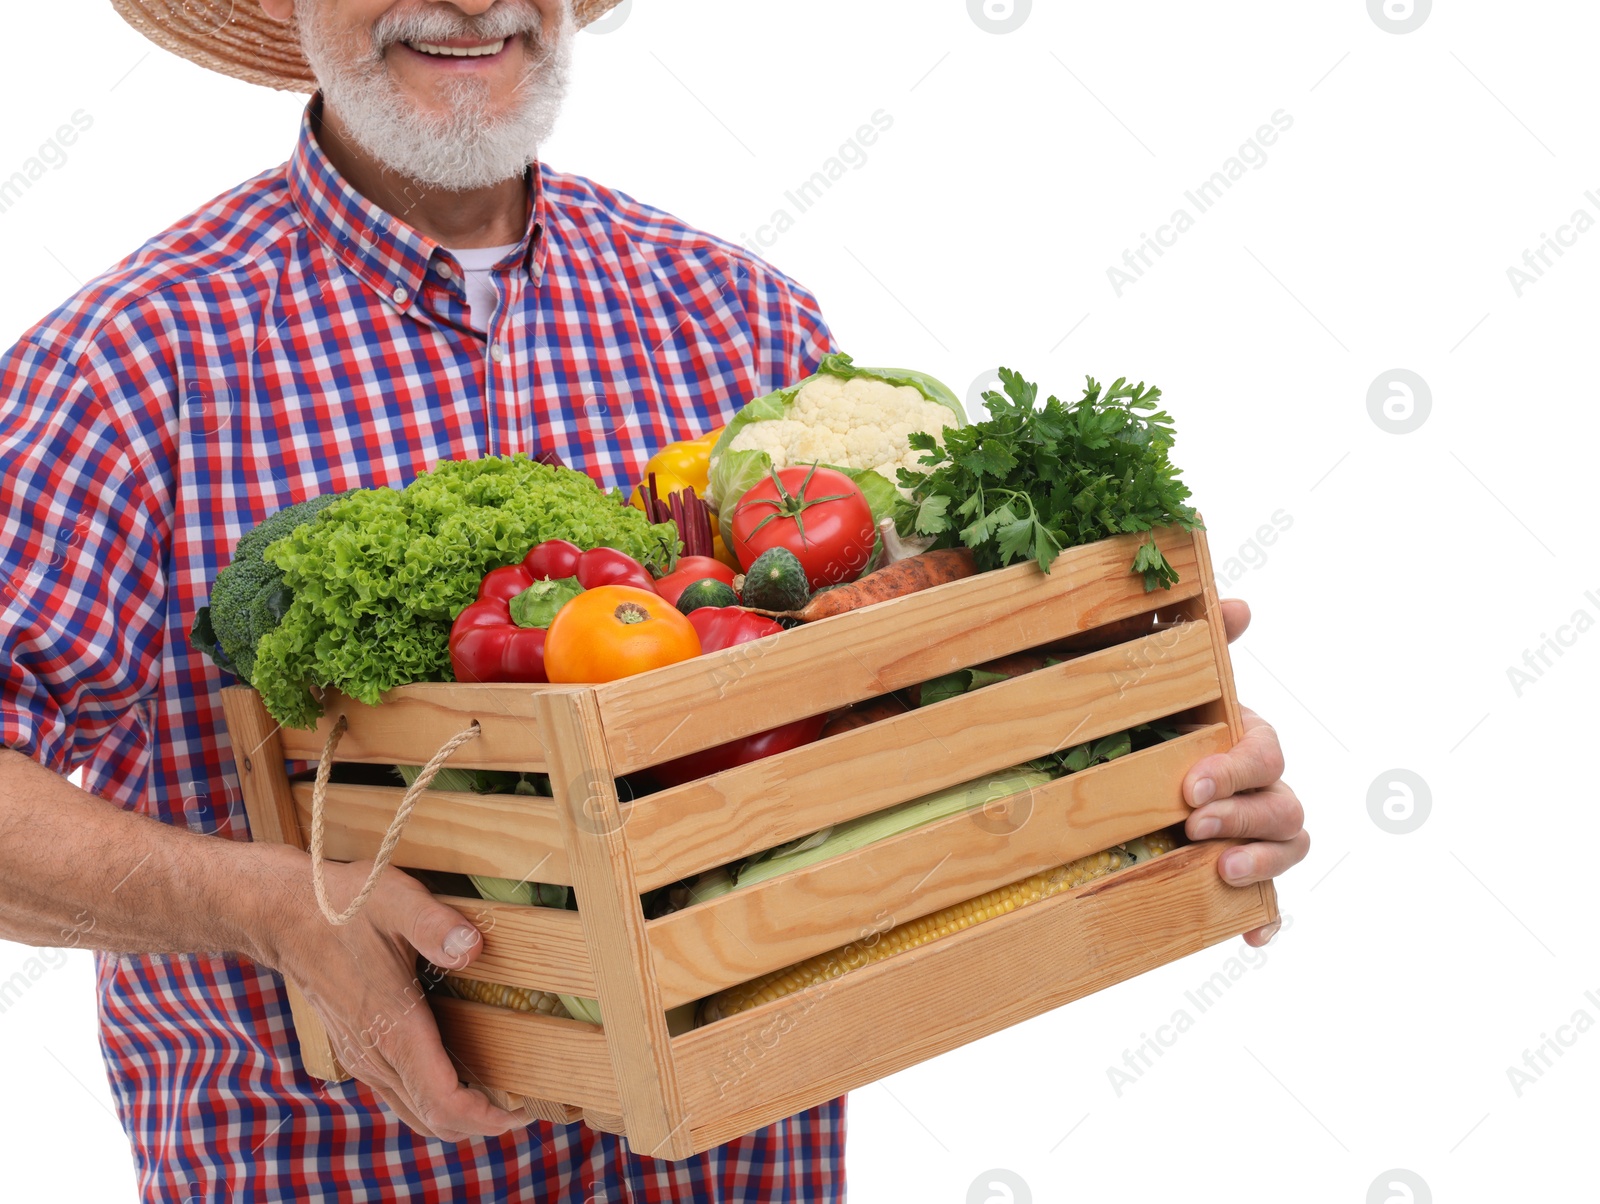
x=389 y=256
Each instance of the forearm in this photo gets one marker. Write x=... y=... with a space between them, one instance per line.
x=76 y=870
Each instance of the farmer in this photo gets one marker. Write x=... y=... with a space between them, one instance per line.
x=412 y=285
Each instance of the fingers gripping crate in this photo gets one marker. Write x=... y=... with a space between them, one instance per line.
x=676 y=1095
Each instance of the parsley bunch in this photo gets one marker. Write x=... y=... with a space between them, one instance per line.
x=1033 y=480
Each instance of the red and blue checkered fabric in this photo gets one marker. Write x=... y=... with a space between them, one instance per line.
x=288 y=339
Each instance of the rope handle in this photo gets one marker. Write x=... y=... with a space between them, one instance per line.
x=397 y=826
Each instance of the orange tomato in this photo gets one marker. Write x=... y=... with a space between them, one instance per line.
x=615 y=631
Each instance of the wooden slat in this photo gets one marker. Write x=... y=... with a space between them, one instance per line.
x=259 y=758
x=537 y=947
x=708 y=700
x=739 y=936
x=500 y=835
x=613 y=923
x=719 y=819
x=411 y=722
x=543 y=1057
x=786 y=1056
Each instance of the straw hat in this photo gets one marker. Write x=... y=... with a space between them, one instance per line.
x=236 y=38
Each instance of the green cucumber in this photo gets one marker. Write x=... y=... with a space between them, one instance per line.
x=708 y=591
x=776 y=581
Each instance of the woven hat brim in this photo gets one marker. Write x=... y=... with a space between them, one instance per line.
x=234 y=37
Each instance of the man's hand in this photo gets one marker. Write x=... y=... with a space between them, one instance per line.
x=1241 y=793
x=362 y=980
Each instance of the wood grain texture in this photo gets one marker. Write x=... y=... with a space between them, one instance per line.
x=719 y=819
x=1225 y=708
x=711 y=699
x=411 y=722
x=1206 y=605
x=538 y=947
x=791 y=1054
x=540 y=1057
x=738 y=936
x=635 y=1025
x=500 y=835
x=258 y=757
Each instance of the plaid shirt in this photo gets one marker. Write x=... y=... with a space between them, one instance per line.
x=288 y=339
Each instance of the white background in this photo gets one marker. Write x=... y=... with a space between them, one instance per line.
x=1416 y=570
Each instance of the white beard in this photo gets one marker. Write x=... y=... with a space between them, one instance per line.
x=466 y=149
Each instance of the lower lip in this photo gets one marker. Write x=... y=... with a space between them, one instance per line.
x=460 y=62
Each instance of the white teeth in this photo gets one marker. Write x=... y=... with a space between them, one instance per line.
x=460 y=52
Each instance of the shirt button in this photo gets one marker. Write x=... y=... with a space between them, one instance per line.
x=499 y=353
x=444 y=271
x=399 y=296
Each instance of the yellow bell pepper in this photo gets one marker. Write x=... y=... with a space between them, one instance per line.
x=685 y=464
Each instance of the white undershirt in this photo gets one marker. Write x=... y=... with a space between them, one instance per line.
x=476 y=264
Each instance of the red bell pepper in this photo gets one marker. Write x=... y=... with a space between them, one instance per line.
x=500 y=637
x=719 y=628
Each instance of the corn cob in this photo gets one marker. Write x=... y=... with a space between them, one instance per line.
x=826 y=966
x=521 y=999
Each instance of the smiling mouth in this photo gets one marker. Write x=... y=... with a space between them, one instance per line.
x=449 y=50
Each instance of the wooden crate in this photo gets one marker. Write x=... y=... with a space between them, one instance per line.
x=674 y=1096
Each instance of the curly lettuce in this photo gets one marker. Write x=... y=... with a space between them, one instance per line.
x=378 y=579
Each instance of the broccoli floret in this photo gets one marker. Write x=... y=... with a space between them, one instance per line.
x=249 y=598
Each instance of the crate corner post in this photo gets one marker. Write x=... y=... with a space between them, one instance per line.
x=1207 y=605
x=264 y=780
x=603 y=879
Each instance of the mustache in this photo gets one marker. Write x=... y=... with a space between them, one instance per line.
x=507 y=19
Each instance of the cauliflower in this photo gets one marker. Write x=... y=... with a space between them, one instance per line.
x=852 y=423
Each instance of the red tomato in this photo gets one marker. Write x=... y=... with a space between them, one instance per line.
x=691 y=569
x=819 y=514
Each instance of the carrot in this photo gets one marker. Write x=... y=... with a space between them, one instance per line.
x=886 y=706
x=1119 y=631
x=908 y=576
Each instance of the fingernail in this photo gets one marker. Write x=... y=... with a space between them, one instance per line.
x=1204 y=791
x=1270 y=931
x=1236 y=865
x=458 y=942
x=1205 y=829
